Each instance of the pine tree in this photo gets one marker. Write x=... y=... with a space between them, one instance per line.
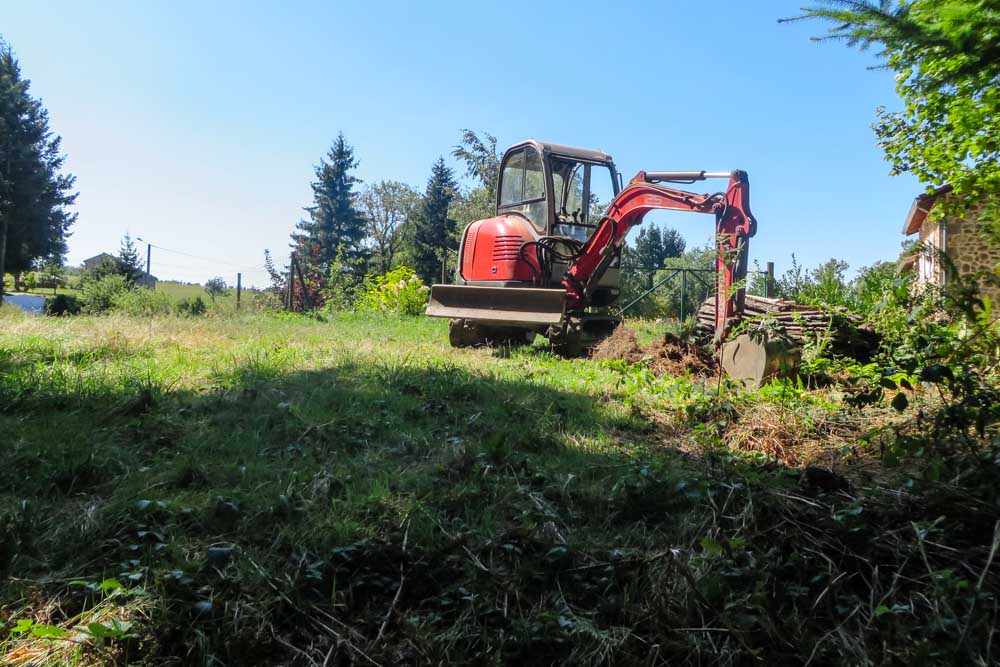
x=434 y=231
x=651 y=247
x=34 y=195
x=334 y=221
x=129 y=263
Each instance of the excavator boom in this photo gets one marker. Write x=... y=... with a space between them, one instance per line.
x=734 y=226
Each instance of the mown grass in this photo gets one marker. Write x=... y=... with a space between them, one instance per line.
x=294 y=491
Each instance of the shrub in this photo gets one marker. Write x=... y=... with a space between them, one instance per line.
x=399 y=291
x=192 y=307
x=62 y=304
x=98 y=295
x=142 y=303
x=343 y=283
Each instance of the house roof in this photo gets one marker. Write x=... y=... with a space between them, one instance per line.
x=921 y=206
x=100 y=256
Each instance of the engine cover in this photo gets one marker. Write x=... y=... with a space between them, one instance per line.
x=491 y=250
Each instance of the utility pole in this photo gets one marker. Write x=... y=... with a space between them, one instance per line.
x=769 y=281
x=239 y=287
x=149 y=253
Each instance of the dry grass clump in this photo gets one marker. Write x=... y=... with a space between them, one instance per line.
x=99 y=636
x=794 y=437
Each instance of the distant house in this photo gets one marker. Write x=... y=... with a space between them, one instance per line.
x=143 y=279
x=960 y=239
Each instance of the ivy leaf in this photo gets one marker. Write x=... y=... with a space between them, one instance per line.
x=711 y=547
x=900 y=402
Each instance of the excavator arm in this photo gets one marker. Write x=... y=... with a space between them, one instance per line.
x=734 y=225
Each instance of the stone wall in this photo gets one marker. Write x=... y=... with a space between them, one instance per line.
x=971 y=251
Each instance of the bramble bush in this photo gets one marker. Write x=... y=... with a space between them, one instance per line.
x=142 y=303
x=191 y=307
x=399 y=291
x=98 y=295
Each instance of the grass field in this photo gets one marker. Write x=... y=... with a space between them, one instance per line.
x=268 y=490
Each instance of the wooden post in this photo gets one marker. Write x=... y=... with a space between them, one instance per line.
x=239 y=288
x=769 y=281
x=290 y=286
x=302 y=283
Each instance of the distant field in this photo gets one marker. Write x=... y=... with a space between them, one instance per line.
x=176 y=290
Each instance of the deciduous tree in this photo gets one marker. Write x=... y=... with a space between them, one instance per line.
x=216 y=287
x=482 y=162
x=946 y=55
x=389 y=207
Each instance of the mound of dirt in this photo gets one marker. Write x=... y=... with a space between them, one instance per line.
x=668 y=356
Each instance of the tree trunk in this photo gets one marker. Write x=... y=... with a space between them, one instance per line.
x=3 y=255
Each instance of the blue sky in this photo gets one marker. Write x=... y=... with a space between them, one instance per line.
x=197 y=125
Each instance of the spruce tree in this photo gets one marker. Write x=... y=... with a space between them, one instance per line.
x=34 y=195
x=333 y=222
x=129 y=264
x=434 y=231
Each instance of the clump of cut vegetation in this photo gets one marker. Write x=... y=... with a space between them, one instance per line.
x=670 y=355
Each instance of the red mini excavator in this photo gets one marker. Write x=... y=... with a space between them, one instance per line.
x=548 y=263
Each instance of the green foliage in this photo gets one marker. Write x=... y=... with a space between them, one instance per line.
x=389 y=208
x=50 y=274
x=434 y=230
x=35 y=196
x=641 y=260
x=98 y=295
x=949 y=339
x=827 y=285
x=399 y=291
x=62 y=304
x=191 y=307
x=142 y=302
x=342 y=284
x=482 y=161
x=946 y=55
x=216 y=287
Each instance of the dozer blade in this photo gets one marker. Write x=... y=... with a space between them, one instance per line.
x=500 y=305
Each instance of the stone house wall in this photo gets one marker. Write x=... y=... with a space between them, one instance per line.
x=967 y=247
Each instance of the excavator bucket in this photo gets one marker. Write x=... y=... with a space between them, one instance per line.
x=529 y=306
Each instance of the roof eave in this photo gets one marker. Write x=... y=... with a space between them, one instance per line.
x=921 y=207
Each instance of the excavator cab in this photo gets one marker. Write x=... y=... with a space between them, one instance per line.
x=561 y=190
x=550 y=199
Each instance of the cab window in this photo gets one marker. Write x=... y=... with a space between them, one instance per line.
x=513 y=179
x=523 y=186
